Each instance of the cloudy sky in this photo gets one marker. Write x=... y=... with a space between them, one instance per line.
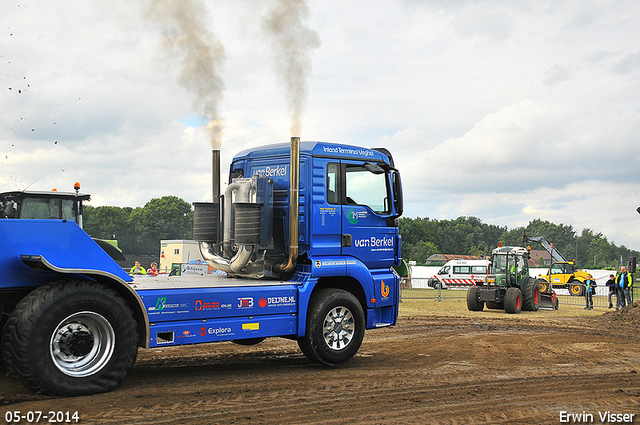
x=507 y=111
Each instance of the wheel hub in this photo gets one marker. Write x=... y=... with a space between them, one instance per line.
x=339 y=328
x=76 y=341
x=82 y=344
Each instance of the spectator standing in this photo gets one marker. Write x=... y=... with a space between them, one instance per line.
x=624 y=281
x=611 y=284
x=137 y=269
x=154 y=269
x=589 y=289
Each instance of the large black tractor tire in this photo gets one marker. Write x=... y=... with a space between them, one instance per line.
x=513 y=301
x=473 y=303
x=335 y=327
x=71 y=337
x=531 y=295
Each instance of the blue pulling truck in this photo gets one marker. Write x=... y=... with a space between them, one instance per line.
x=304 y=238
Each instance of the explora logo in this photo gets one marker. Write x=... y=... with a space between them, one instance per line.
x=384 y=290
x=354 y=216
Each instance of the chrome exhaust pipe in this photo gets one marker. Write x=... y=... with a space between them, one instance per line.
x=294 y=207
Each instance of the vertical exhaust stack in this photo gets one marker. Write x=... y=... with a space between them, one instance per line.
x=215 y=174
x=294 y=207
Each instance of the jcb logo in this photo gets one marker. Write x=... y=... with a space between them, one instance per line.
x=384 y=290
x=245 y=302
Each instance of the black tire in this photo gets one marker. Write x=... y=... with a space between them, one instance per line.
x=555 y=303
x=335 y=327
x=531 y=296
x=71 y=337
x=513 y=301
x=473 y=303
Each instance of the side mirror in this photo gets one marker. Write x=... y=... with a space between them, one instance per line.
x=398 y=200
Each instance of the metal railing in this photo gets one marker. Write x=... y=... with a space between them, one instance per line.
x=422 y=288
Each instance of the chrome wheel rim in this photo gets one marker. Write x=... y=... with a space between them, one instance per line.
x=82 y=344
x=339 y=328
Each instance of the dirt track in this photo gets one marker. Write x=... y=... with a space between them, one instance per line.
x=428 y=369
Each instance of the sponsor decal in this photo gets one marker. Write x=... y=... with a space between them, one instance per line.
x=245 y=302
x=251 y=326
x=221 y=330
x=320 y=263
x=288 y=300
x=186 y=334
x=201 y=305
x=353 y=216
x=376 y=244
x=161 y=305
x=268 y=171
x=384 y=290
x=347 y=151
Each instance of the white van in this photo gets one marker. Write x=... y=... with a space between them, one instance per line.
x=460 y=274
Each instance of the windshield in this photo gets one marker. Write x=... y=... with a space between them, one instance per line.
x=366 y=188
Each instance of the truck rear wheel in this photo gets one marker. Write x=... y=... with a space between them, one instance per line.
x=531 y=296
x=71 y=337
x=513 y=301
x=473 y=303
x=335 y=327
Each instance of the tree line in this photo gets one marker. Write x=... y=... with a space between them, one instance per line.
x=422 y=237
x=140 y=230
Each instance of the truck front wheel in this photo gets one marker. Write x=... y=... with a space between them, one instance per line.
x=71 y=337
x=335 y=327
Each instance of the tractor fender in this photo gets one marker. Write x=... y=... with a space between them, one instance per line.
x=37 y=252
x=38 y=262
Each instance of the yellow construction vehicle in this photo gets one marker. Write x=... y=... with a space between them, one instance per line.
x=562 y=272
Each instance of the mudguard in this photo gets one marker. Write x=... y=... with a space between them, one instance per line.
x=63 y=245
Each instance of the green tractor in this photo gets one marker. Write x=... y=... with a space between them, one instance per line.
x=508 y=285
